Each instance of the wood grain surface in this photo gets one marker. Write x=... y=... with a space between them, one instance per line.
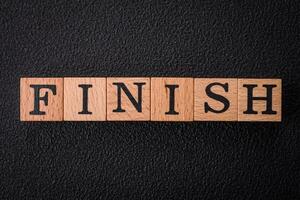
x=73 y=99
x=54 y=109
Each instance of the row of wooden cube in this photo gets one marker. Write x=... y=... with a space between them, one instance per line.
x=190 y=99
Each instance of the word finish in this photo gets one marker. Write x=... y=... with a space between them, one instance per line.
x=149 y=99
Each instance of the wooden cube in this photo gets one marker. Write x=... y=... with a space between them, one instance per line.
x=172 y=99
x=215 y=99
x=259 y=99
x=84 y=99
x=41 y=99
x=128 y=99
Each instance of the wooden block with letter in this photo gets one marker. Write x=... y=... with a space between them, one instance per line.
x=259 y=99
x=215 y=99
x=172 y=99
x=41 y=99
x=128 y=99
x=85 y=99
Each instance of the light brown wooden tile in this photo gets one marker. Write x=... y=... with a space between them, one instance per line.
x=129 y=110
x=52 y=88
x=259 y=106
x=208 y=106
x=85 y=99
x=161 y=93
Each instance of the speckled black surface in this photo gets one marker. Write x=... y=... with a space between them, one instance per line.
x=149 y=160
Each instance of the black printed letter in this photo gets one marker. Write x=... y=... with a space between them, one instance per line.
x=38 y=98
x=268 y=99
x=216 y=97
x=137 y=104
x=85 y=101
x=172 y=100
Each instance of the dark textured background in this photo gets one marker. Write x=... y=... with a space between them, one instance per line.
x=149 y=160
